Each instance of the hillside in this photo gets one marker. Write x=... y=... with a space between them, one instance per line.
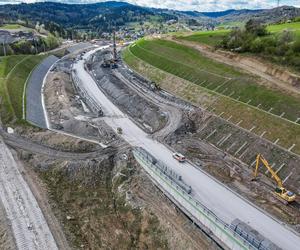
x=99 y=16
x=104 y=16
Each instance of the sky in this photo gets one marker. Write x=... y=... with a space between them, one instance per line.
x=199 y=5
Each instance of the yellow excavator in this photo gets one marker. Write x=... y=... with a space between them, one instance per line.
x=284 y=195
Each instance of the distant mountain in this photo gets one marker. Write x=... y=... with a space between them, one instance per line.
x=100 y=16
x=282 y=13
x=219 y=14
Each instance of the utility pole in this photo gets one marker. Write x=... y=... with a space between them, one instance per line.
x=278 y=2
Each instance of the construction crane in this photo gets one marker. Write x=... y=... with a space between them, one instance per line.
x=285 y=196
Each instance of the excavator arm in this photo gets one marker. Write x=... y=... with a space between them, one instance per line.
x=266 y=164
x=285 y=196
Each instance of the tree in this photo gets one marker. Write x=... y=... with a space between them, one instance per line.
x=296 y=46
x=23 y=47
x=256 y=28
x=51 y=42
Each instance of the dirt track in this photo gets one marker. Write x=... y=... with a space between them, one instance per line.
x=29 y=226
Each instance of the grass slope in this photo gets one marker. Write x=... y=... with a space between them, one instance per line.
x=14 y=71
x=207 y=37
x=189 y=64
x=295 y=27
x=212 y=38
x=247 y=117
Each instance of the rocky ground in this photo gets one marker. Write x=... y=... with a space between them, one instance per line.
x=6 y=237
x=147 y=114
x=108 y=202
x=67 y=112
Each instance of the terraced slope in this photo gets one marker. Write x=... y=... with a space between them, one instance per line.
x=234 y=95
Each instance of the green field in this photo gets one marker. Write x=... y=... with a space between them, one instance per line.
x=285 y=26
x=207 y=37
x=12 y=26
x=14 y=71
x=189 y=64
x=231 y=24
x=214 y=37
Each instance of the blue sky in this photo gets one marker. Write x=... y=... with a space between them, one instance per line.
x=200 y=5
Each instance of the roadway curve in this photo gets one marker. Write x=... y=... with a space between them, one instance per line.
x=226 y=204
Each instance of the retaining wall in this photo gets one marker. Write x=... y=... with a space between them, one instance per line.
x=200 y=214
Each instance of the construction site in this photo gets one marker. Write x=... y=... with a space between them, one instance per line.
x=117 y=160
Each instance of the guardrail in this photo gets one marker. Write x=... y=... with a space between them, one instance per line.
x=199 y=213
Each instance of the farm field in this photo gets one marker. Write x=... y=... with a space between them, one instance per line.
x=210 y=84
x=14 y=71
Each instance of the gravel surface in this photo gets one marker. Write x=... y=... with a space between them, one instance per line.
x=79 y=46
x=28 y=223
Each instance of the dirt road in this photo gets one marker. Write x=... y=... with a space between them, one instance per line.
x=28 y=223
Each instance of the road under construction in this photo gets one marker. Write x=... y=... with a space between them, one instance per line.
x=223 y=202
x=121 y=109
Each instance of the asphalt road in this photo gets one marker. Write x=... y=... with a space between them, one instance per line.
x=34 y=108
x=222 y=201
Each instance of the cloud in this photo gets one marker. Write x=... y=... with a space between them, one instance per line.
x=199 y=5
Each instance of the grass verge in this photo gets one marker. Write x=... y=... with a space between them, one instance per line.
x=15 y=71
x=190 y=65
